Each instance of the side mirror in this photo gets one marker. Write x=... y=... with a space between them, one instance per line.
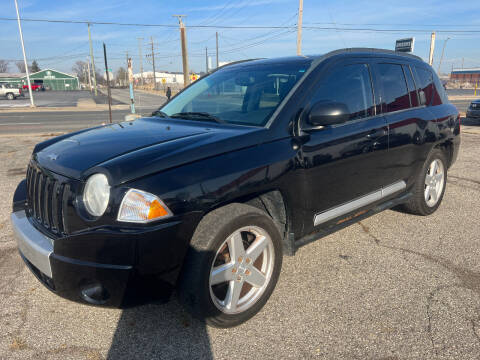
x=328 y=113
x=423 y=98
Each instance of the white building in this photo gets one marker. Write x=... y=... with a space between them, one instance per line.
x=162 y=77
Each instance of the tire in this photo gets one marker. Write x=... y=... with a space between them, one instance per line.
x=421 y=203
x=213 y=248
x=10 y=96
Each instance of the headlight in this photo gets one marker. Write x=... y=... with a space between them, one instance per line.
x=142 y=207
x=96 y=194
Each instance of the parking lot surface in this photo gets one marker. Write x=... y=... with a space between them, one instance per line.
x=46 y=99
x=394 y=286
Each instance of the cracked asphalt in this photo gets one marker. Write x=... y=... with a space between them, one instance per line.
x=394 y=286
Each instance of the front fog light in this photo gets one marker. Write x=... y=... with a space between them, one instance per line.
x=142 y=207
x=96 y=194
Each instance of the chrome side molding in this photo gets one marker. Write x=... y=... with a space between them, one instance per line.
x=358 y=203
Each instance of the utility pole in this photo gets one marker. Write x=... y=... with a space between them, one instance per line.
x=443 y=51
x=93 y=60
x=85 y=73
x=206 y=60
x=462 y=62
x=130 y=82
x=299 y=27
x=153 y=63
x=432 y=48
x=183 y=37
x=89 y=76
x=108 y=83
x=140 y=44
x=216 y=34
x=32 y=104
x=126 y=72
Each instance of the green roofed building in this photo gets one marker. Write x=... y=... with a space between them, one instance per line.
x=50 y=79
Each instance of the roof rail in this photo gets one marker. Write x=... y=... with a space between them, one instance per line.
x=375 y=51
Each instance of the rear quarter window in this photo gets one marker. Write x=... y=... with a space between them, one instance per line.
x=425 y=82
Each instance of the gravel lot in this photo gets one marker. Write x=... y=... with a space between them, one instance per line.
x=394 y=286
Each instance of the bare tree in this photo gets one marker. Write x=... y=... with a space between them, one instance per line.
x=121 y=76
x=20 y=66
x=3 y=66
x=79 y=70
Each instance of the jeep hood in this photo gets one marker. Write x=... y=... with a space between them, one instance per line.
x=129 y=150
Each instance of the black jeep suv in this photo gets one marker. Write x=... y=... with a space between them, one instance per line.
x=244 y=165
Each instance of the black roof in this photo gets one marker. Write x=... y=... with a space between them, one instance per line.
x=371 y=52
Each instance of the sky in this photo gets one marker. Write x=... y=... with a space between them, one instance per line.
x=59 y=45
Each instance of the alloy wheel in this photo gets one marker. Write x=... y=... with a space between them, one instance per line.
x=241 y=270
x=434 y=182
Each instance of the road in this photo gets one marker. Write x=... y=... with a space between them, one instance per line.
x=66 y=121
x=142 y=100
x=55 y=122
x=394 y=286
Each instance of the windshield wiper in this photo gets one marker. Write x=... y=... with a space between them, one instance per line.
x=159 y=113
x=192 y=115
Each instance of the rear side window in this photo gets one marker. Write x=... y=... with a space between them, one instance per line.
x=440 y=95
x=350 y=85
x=424 y=82
x=411 y=86
x=395 y=93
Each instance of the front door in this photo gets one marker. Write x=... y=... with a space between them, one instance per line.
x=343 y=162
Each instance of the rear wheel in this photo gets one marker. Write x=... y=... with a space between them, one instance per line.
x=430 y=185
x=10 y=96
x=232 y=266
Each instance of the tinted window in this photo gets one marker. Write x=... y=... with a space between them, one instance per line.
x=440 y=95
x=351 y=86
x=425 y=83
x=395 y=94
x=411 y=86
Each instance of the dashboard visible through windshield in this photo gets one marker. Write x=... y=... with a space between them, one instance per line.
x=245 y=94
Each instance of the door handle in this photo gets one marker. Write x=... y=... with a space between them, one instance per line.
x=374 y=134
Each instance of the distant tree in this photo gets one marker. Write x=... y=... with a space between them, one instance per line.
x=35 y=67
x=79 y=70
x=121 y=76
x=3 y=66
x=101 y=80
x=20 y=66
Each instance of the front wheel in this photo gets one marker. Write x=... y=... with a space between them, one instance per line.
x=430 y=185
x=232 y=266
x=10 y=96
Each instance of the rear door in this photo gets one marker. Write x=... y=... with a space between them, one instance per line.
x=342 y=163
x=408 y=120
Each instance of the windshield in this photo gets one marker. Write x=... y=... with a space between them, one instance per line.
x=245 y=94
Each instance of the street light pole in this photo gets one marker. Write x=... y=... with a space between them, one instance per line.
x=32 y=104
x=443 y=51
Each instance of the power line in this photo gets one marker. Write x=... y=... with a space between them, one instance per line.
x=246 y=27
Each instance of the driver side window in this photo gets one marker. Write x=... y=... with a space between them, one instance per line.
x=350 y=85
